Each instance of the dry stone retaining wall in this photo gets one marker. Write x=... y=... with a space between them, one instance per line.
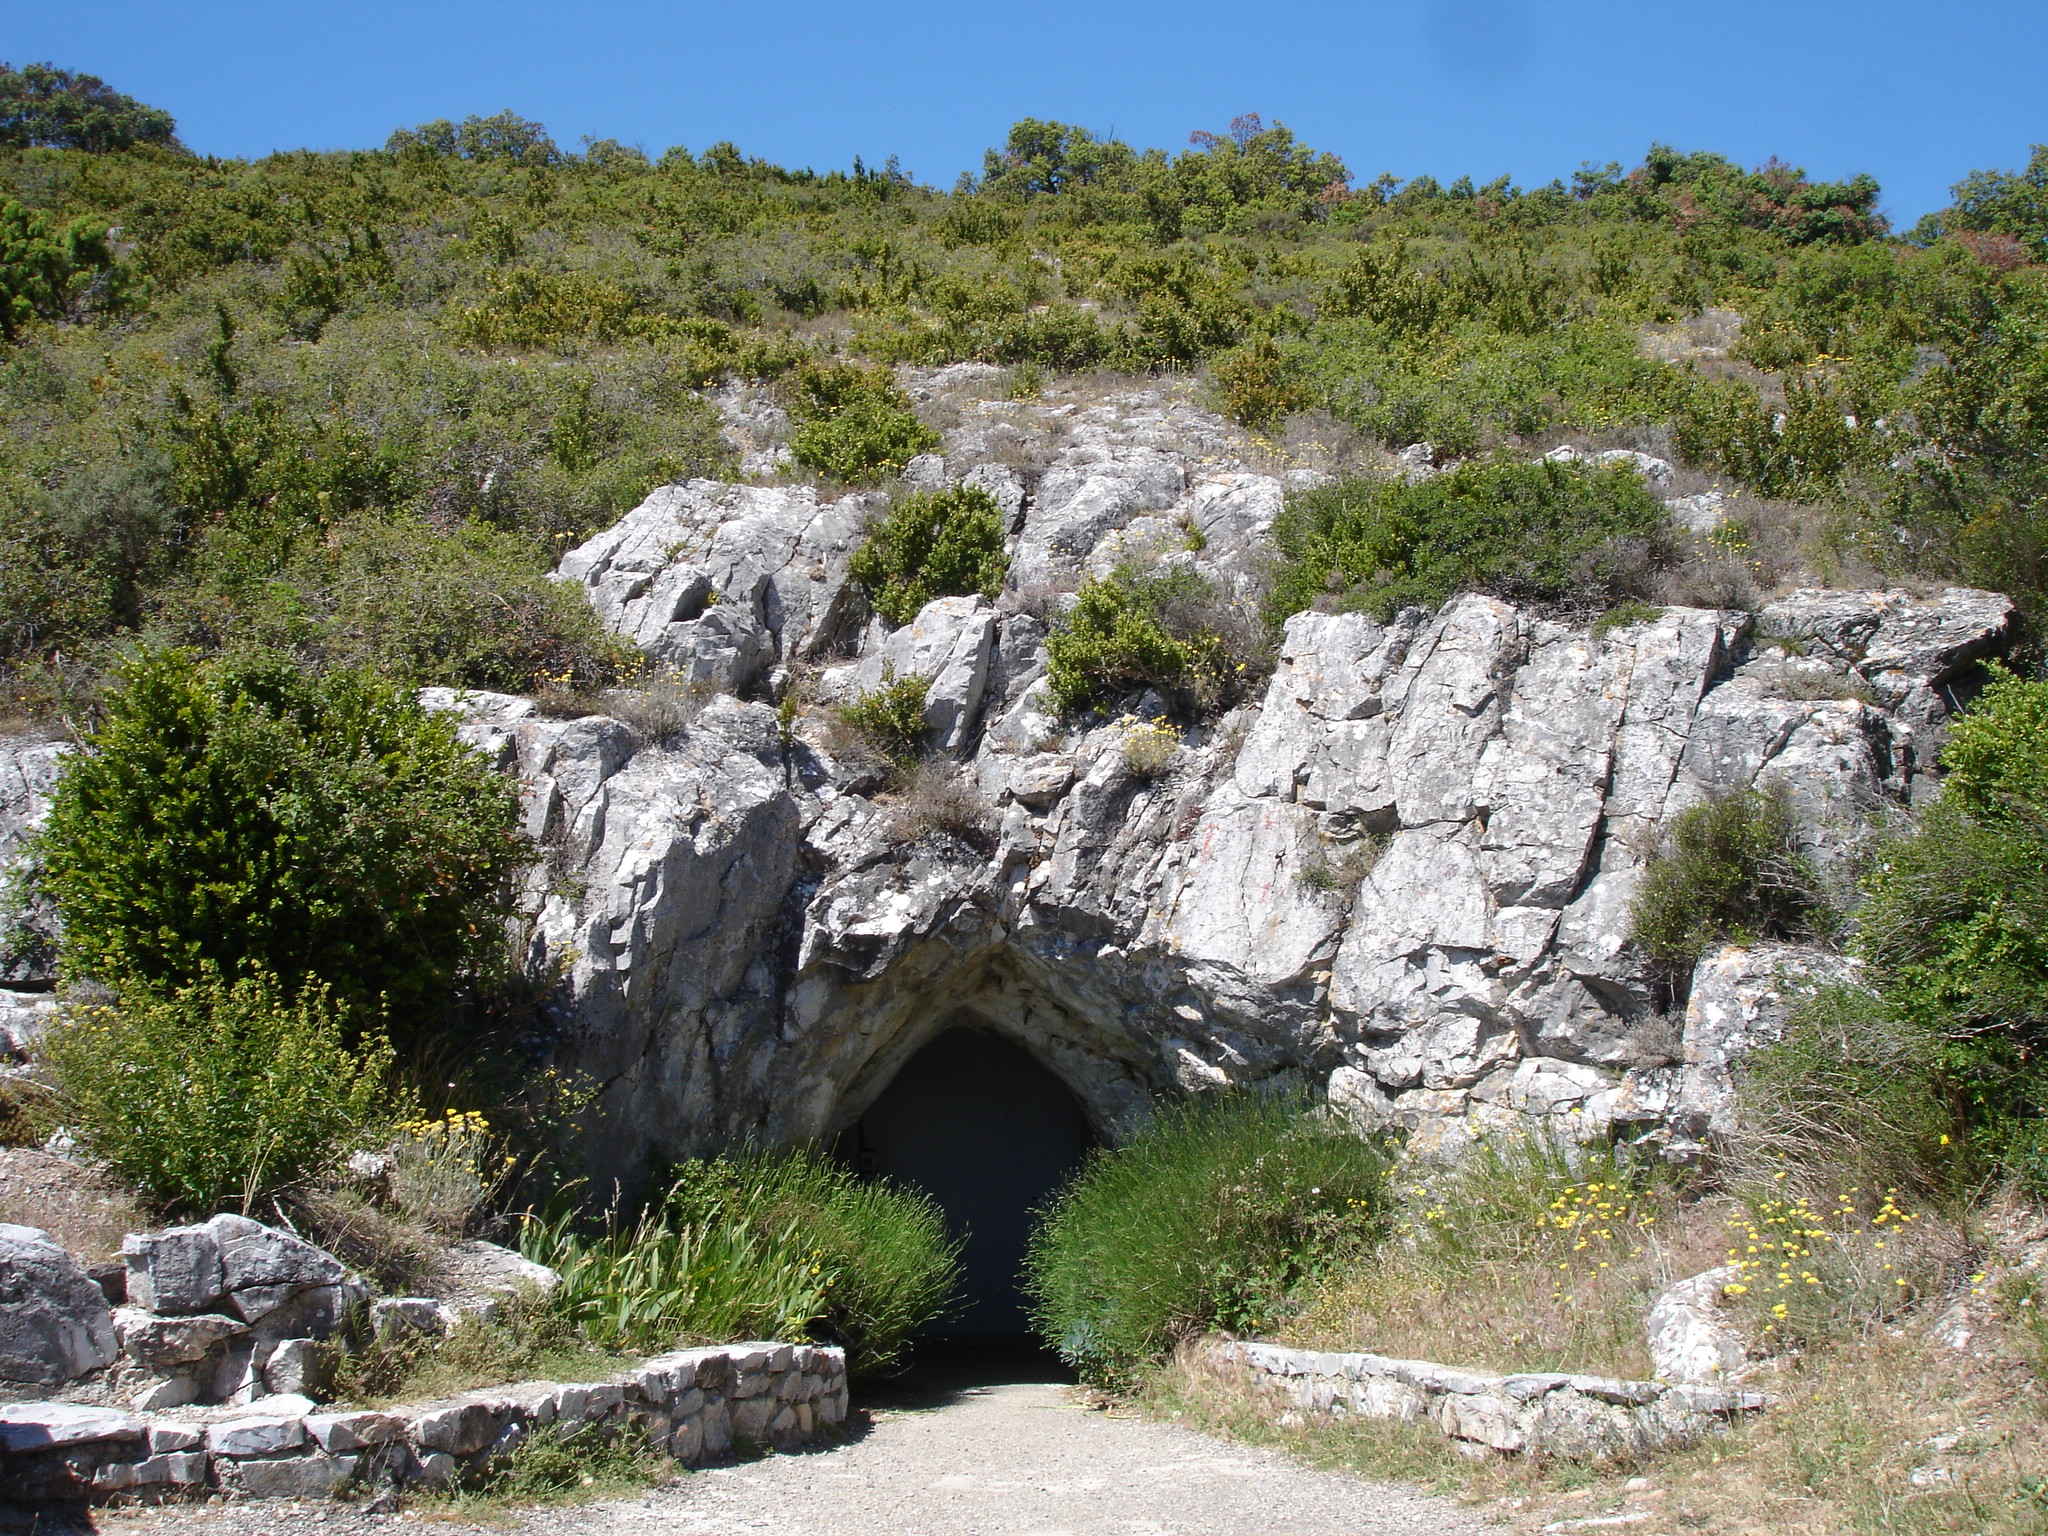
x=695 y=1404
x=1531 y=1413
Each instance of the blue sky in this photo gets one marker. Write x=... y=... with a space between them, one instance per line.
x=1915 y=91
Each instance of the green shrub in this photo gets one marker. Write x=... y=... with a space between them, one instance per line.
x=1955 y=927
x=854 y=424
x=662 y=1282
x=1528 y=532
x=1258 y=386
x=888 y=1263
x=221 y=1092
x=469 y=607
x=1732 y=873
x=1169 y=630
x=1852 y=1093
x=44 y=267
x=933 y=544
x=778 y=1245
x=1209 y=1219
x=251 y=817
x=891 y=718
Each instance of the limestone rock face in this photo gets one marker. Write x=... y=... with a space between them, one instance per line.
x=28 y=930
x=1403 y=872
x=718 y=579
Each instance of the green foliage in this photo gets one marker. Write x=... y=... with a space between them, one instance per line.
x=1545 y=532
x=662 y=1282
x=469 y=607
x=1169 y=630
x=932 y=544
x=1854 y=1089
x=45 y=107
x=1257 y=385
x=44 y=268
x=1955 y=926
x=219 y=1093
x=891 y=717
x=1209 y=1219
x=889 y=1266
x=775 y=1245
x=1624 y=614
x=2009 y=203
x=1733 y=872
x=854 y=424
x=250 y=817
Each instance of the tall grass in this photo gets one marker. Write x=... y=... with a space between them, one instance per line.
x=1529 y=1253
x=759 y=1245
x=1212 y=1218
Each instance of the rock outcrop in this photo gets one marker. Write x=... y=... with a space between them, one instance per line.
x=1403 y=873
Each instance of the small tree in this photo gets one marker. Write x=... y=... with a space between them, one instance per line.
x=241 y=817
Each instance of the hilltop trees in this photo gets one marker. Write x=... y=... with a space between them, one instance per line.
x=56 y=109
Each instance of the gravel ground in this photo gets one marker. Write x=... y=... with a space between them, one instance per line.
x=946 y=1455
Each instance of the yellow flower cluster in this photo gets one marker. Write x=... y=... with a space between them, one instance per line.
x=1776 y=1242
x=1597 y=1212
x=454 y=1125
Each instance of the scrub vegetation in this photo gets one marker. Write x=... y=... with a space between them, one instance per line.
x=283 y=440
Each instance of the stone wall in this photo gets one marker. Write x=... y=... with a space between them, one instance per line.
x=695 y=1404
x=1531 y=1413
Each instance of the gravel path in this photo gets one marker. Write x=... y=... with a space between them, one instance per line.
x=951 y=1453
x=1020 y=1459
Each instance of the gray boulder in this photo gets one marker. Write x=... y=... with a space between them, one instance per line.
x=174 y=1271
x=55 y=1324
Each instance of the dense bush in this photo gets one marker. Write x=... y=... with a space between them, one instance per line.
x=932 y=544
x=44 y=268
x=220 y=1092
x=776 y=1245
x=1210 y=1218
x=1169 y=630
x=1732 y=872
x=1528 y=532
x=248 y=816
x=854 y=424
x=1955 y=927
x=1256 y=385
x=470 y=607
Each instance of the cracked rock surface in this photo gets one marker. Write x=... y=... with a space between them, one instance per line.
x=1402 y=873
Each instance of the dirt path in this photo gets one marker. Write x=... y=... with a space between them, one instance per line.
x=967 y=1447
x=1022 y=1458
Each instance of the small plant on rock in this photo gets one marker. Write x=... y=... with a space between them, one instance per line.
x=854 y=424
x=891 y=717
x=1733 y=873
x=1148 y=746
x=934 y=544
x=1170 y=631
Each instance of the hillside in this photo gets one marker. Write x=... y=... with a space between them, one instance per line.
x=281 y=396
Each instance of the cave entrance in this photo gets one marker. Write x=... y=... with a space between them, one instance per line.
x=981 y=1126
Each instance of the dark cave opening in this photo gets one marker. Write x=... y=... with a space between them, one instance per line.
x=984 y=1128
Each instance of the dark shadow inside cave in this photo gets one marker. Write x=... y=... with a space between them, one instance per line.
x=985 y=1129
